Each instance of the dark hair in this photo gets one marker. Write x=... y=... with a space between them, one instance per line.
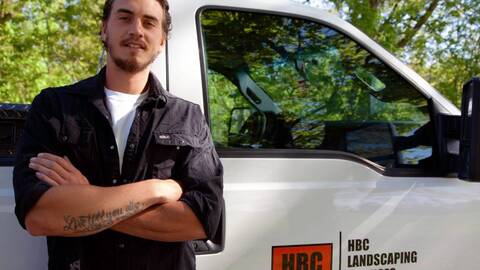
x=167 y=19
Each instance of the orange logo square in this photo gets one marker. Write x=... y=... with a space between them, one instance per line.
x=305 y=257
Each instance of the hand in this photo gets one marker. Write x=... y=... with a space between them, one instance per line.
x=56 y=170
x=170 y=190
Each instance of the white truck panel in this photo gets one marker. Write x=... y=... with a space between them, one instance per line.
x=19 y=249
x=278 y=201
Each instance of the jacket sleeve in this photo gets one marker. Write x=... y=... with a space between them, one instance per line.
x=202 y=180
x=40 y=134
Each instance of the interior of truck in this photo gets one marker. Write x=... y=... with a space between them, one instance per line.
x=278 y=82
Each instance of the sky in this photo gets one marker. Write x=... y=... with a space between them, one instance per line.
x=317 y=3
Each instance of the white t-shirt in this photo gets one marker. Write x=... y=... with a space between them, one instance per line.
x=122 y=108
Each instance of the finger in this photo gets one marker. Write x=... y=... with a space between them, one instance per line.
x=47 y=179
x=52 y=165
x=70 y=164
x=82 y=179
x=67 y=166
x=46 y=171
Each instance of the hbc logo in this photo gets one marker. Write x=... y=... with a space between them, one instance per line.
x=306 y=257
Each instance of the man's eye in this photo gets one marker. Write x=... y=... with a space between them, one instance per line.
x=123 y=18
x=150 y=24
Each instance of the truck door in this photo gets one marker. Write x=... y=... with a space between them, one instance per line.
x=329 y=154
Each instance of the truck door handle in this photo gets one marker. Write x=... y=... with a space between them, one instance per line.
x=202 y=247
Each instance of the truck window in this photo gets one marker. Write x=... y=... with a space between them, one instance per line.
x=278 y=82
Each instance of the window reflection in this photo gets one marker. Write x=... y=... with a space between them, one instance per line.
x=287 y=83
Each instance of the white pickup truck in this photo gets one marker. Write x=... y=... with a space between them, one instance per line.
x=336 y=155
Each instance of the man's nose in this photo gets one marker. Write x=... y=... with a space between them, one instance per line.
x=136 y=28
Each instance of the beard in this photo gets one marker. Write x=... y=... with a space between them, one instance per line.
x=131 y=65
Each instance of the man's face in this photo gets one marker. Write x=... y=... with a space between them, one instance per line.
x=133 y=34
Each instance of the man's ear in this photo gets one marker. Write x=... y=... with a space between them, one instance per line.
x=103 y=32
x=162 y=46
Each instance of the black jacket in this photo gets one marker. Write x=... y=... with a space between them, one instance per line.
x=169 y=138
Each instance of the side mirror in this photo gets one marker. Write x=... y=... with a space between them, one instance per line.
x=469 y=159
x=367 y=78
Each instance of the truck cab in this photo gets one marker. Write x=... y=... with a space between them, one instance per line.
x=336 y=154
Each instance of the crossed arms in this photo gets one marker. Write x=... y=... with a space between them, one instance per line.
x=54 y=198
x=72 y=207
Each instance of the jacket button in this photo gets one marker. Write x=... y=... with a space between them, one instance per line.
x=131 y=146
x=121 y=245
x=112 y=147
x=114 y=181
x=64 y=138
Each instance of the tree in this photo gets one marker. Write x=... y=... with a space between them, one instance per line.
x=438 y=38
x=46 y=43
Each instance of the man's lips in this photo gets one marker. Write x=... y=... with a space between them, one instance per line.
x=134 y=45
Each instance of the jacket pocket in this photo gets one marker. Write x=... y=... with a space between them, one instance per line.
x=78 y=138
x=79 y=146
x=168 y=151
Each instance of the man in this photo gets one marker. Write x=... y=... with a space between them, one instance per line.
x=118 y=173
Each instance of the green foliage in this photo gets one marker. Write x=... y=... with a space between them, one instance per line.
x=440 y=39
x=46 y=43
x=50 y=43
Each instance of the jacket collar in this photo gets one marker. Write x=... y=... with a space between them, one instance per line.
x=93 y=87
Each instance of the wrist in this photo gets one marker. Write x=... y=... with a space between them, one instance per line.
x=155 y=191
x=163 y=191
x=166 y=190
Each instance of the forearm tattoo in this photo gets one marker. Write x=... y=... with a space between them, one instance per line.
x=101 y=219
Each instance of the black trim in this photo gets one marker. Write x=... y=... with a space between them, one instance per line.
x=296 y=153
x=340 y=252
x=203 y=64
x=167 y=67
